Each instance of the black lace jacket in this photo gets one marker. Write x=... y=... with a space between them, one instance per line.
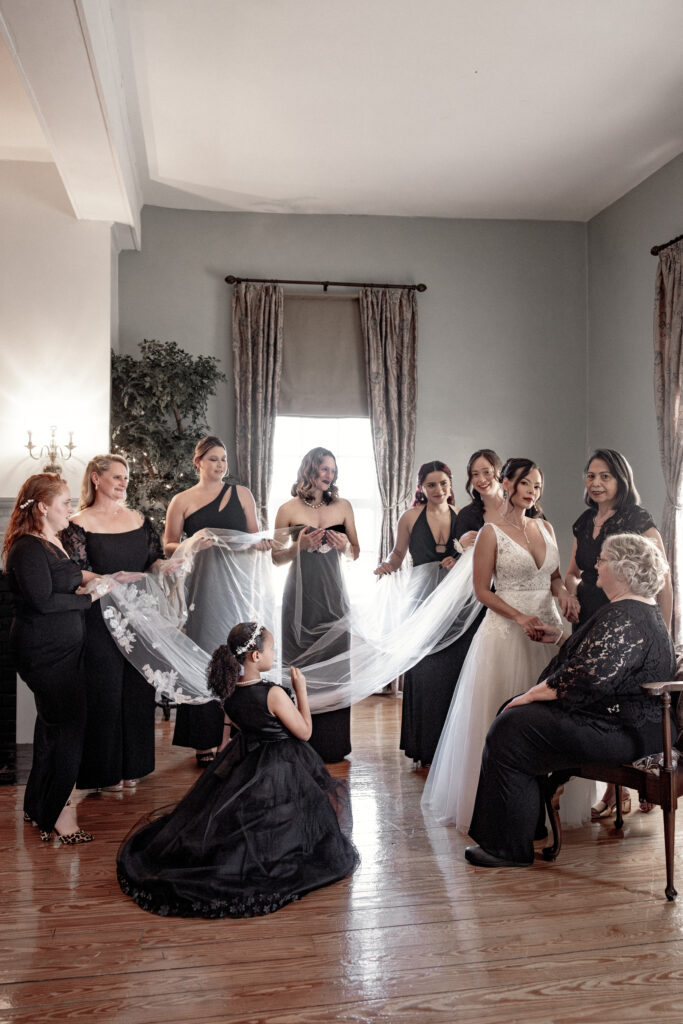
x=600 y=668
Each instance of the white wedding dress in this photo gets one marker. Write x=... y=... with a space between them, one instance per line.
x=501 y=663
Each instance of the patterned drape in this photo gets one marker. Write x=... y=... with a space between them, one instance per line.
x=389 y=325
x=257 y=319
x=668 y=341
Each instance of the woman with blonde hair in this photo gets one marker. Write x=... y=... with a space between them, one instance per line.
x=105 y=536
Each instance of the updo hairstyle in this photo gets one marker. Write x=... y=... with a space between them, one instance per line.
x=204 y=445
x=496 y=464
x=517 y=469
x=423 y=472
x=636 y=561
x=225 y=665
x=98 y=464
x=307 y=476
x=26 y=517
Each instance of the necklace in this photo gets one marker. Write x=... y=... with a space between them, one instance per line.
x=311 y=505
x=522 y=529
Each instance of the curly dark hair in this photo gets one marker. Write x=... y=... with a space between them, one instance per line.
x=224 y=668
x=423 y=472
x=620 y=469
x=496 y=463
x=305 y=484
x=517 y=469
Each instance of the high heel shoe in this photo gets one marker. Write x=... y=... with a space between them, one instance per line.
x=605 y=809
x=68 y=838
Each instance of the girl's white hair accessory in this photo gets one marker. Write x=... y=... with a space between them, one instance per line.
x=250 y=642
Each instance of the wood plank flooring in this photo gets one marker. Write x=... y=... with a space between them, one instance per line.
x=416 y=935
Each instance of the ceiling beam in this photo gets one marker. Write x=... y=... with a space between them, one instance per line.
x=66 y=54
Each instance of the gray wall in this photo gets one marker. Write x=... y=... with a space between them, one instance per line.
x=502 y=327
x=621 y=277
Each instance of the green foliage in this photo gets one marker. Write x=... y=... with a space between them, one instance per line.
x=158 y=413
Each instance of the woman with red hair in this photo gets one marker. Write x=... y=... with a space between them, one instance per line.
x=48 y=636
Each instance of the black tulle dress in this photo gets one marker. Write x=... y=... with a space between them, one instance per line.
x=631 y=519
x=200 y=726
x=428 y=687
x=119 y=734
x=323 y=600
x=259 y=829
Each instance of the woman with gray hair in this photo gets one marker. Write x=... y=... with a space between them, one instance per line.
x=587 y=705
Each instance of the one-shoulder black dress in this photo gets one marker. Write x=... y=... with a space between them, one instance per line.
x=119 y=734
x=200 y=726
x=323 y=600
x=428 y=687
x=48 y=637
x=259 y=829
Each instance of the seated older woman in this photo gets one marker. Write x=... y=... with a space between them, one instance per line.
x=587 y=705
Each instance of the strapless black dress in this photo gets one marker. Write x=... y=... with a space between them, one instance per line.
x=257 y=830
x=200 y=726
x=323 y=599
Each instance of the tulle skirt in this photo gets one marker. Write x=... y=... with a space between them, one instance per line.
x=259 y=829
x=502 y=662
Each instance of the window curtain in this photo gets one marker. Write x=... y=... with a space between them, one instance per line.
x=389 y=326
x=257 y=328
x=668 y=339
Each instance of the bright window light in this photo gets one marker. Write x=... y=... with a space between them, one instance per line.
x=351 y=442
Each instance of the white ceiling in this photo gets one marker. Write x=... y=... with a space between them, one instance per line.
x=543 y=109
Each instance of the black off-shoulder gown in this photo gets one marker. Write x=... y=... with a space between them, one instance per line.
x=428 y=687
x=48 y=637
x=119 y=734
x=259 y=829
x=323 y=599
x=200 y=726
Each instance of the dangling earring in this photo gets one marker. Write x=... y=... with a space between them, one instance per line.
x=95 y=484
x=505 y=502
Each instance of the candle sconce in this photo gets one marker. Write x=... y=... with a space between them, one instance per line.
x=52 y=451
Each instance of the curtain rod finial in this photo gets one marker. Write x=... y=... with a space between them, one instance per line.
x=420 y=287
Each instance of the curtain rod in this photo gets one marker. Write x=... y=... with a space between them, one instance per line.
x=231 y=279
x=656 y=249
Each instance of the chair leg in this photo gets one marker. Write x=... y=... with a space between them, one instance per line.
x=551 y=799
x=669 y=837
x=619 y=820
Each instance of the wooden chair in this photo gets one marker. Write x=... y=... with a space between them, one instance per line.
x=661 y=788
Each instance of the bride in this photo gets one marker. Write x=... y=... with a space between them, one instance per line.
x=518 y=550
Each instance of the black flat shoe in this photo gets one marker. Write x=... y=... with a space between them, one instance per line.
x=481 y=858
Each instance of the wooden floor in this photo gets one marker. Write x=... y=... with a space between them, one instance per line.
x=416 y=935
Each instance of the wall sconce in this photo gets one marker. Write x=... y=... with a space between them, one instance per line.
x=52 y=451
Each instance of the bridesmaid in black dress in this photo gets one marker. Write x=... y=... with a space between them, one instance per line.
x=107 y=537
x=613 y=507
x=322 y=528
x=428 y=531
x=486 y=491
x=211 y=503
x=258 y=829
x=48 y=636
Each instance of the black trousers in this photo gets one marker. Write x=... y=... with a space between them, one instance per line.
x=59 y=692
x=533 y=740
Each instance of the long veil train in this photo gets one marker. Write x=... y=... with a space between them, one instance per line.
x=169 y=623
